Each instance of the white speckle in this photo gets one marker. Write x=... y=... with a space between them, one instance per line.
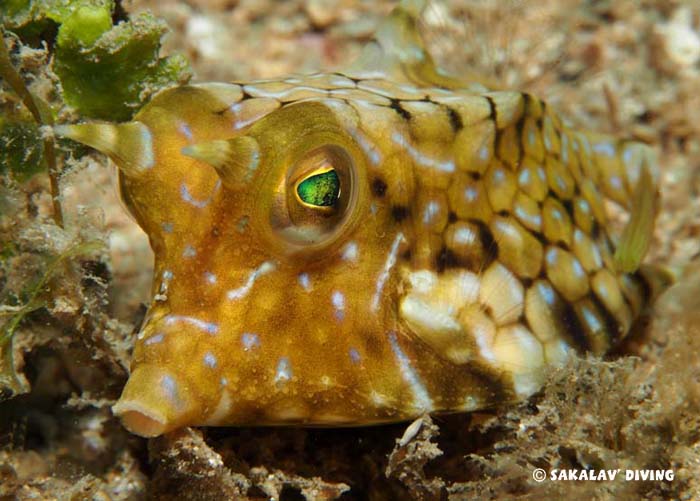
x=249 y=341
x=240 y=292
x=147 y=150
x=484 y=153
x=592 y=321
x=388 y=265
x=209 y=327
x=432 y=209
x=547 y=142
x=470 y=194
x=470 y=403
x=350 y=252
x=200 y=204
x=524 y=177
x=534 y=219
x=169 y=387
x=338 y=300
x=284 y=370
x=224 y=381
x=422 y=158
x=370 y=149
x=616 y=182
x=155 y=339
x=354 y=356
x=304 y=281
x=210 y=277
x=605 y=148
x=422 y=399
x=546 y=292
x=377 y=398
x=167 y=275
x=184 y=129
x=578 y=269
x=189 y=251
x=465 y=236
x=210 y=360
x=167 y=227
x=565 y=149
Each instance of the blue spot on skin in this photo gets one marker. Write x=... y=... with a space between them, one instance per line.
x=185 y=130
x=189 y=251
x=169 y=386
x=338 y=300
x=249 y=341
x=605 y=148
x=200 y=204
x=484 y=153
x=284 y=370
x=354 y=356
x=547 y=293
x=524 y=177
x=155 y=339
x=305 y=281
x=210 y=360
x=209 y=327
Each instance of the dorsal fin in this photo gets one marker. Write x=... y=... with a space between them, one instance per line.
x=398 y=51
x=637 y=235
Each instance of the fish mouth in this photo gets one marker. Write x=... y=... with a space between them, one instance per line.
x=153 y=402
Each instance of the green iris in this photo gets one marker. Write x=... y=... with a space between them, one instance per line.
x=320 y=190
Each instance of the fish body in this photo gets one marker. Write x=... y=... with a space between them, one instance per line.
x=369 y=245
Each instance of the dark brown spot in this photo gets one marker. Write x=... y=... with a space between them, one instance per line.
x=455 y=119
x=573 y=329
x=488 y=243
x=396 y=106
x=445 y=259
x=399 y=213
x=378 y=187
x=452 y=217
x=613 y=329
x=644 y=286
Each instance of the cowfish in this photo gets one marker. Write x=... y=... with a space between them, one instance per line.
x=372 y=244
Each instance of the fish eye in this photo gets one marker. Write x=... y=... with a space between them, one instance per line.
x=320 y=189
x=315 y=197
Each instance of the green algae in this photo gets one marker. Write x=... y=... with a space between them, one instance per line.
x=106 y=75
x=106 y=71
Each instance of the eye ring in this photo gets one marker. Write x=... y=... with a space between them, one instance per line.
x=313 y=222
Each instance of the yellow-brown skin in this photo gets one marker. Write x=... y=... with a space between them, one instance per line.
x=444 y=187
